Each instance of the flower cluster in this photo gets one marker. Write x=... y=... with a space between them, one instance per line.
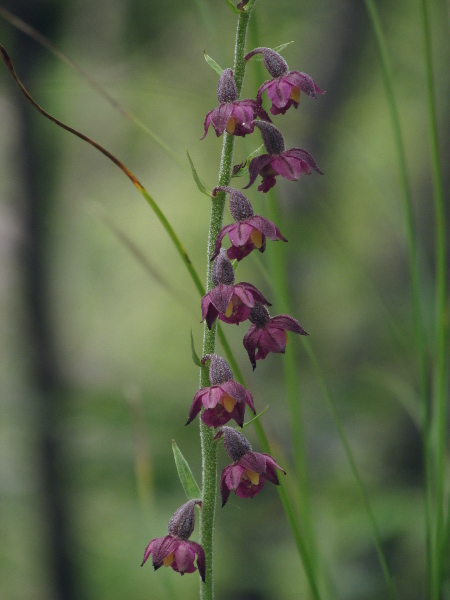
x=225 y=399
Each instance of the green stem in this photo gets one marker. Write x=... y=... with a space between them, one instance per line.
x=209 y=447
x=439 y=415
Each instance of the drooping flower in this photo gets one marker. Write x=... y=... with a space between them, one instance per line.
x=175 y=550
x=290 y=164
x=249 y=471
x=268 y=334
x=224 y=400
x=231 y=303
x=285 y=87
x=249 y=231
x=233 y=115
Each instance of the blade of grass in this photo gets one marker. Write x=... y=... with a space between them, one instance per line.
x=439 y=416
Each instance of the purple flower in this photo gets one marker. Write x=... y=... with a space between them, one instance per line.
x=290 y=164
x=284 y=90
x=233 y=115
x=249 y=231
x=224 y=400
x=231 y=303
x=268 y=334
x=174 y=550
x=246 y=476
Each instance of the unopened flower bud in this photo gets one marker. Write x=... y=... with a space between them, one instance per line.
x=235 y=443
x=226 y=88
x=240 y=207
x=222 y=270
x=272 y=137
x=182 y=522
x=274 y=62
x=219 y=369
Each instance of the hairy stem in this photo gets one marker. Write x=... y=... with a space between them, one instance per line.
x=209 y=447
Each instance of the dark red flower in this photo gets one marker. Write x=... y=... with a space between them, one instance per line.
x=290 y=164
x=224 y=400
x=249 y=471
x=249 y=231
x=284 y=90
x=175 y=550
x=268 y=334
x=231 y=303
x=233 y=115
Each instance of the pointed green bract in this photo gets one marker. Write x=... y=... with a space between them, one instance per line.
x=259 y=57
x=200 y=185
x=255 y=418
x=195 y=357
x=212 y=63
x=242 y=168
x=190 y=486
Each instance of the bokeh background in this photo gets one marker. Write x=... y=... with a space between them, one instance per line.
x=96 y=368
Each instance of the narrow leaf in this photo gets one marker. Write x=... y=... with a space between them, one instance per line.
x=212 y=63
x=200 y=185
x=190 y=486
x=242 y=168
x=195 y=357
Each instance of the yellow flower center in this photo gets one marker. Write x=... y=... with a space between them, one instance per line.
x=286 y=335
x=256 y=238
x=295 y=94
x=231 y=125
x=228 y=403
x=168 y=560
x=254 y=477
x=229 y=309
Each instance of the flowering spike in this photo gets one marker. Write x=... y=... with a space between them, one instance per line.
x=182 y=522
x=226 y=88
x=235 y=443
x=272 y=137
x=222 y=270
x=274 y=62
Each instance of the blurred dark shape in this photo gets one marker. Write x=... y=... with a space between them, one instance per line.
x=37 y=161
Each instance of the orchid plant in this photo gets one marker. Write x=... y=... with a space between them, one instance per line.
x=222 y=396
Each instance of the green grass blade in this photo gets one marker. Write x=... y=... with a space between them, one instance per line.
x=439 y=417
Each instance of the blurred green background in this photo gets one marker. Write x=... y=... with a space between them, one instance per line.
x=96 y=368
